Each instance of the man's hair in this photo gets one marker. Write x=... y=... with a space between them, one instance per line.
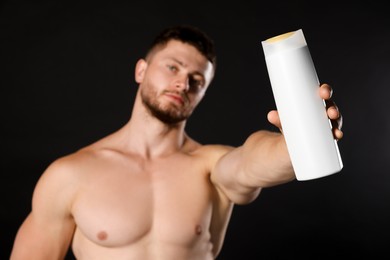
x=186 y=34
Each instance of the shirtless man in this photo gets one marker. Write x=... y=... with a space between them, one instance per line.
x=148 y=191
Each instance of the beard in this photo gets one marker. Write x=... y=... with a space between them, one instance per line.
x=170 y=114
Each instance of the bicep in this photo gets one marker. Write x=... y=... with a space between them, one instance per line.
x=47 y=231
x=229 y=176
x=42 y=239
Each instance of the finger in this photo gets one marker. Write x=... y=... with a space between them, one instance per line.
x=336 y=127
x=332 y=111
x=326 y=91
x=338 y=134
x=273 y=118
x=339 y=122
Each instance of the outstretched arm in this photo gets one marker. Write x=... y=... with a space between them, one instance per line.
x=263 y=160
x=47 y=231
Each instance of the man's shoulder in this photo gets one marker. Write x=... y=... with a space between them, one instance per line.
x=72 y=162
x=215 y=148
x=74 y=158
x=212 y=152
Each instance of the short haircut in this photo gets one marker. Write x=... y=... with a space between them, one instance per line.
x=186 y=34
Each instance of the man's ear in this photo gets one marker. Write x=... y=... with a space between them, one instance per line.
x=140 y=69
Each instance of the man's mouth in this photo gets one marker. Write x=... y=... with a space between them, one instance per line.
x=176 y=97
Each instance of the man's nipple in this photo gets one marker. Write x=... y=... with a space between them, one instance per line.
x=198 y=230
x=102 y=235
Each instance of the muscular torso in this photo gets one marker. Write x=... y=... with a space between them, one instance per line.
x=127 y=207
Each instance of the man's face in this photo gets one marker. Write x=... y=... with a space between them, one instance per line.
x=174 y=80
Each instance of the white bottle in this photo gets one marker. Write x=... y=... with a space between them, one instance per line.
x=306 y=127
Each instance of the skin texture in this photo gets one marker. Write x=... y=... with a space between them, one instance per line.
x=149 y=191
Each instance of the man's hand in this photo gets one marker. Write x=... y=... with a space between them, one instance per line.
x=332 y=110
x=325 y=92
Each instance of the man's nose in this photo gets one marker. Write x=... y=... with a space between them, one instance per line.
x=182 y=83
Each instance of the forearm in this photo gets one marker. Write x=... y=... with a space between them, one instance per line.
x=265 y=160
x=262 y=161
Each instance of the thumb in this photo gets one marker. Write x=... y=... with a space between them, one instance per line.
x=273 y=118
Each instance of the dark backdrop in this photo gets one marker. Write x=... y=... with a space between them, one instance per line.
x=67 y=80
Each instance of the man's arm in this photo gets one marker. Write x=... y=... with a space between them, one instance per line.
x=263 y=160
x=47 y=231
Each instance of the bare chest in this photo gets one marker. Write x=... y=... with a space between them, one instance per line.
x=122 y=206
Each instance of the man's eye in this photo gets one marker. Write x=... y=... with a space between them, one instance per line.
x=172 y=68
x=196 y=83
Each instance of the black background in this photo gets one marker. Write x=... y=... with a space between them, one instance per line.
x=67 y=80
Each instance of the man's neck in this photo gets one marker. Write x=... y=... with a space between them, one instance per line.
x=150 y=137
